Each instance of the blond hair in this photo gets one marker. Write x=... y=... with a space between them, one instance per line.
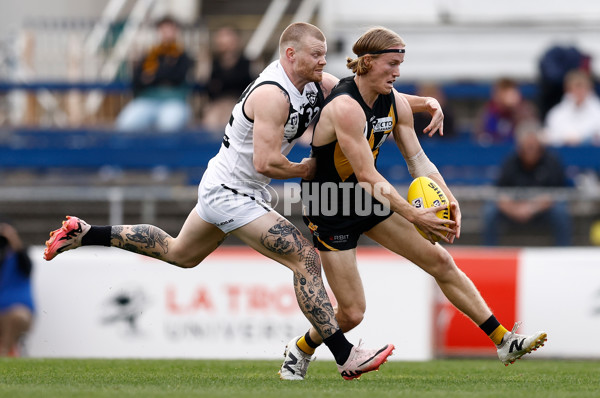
x=374 y=39
x=292 y=35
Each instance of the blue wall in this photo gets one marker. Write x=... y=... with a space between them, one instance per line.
x=461 y=161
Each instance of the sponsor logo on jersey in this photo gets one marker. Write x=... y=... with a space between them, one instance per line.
x=383 y=124
x=339 y=238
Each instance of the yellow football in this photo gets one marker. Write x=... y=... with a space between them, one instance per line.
x=424 y=192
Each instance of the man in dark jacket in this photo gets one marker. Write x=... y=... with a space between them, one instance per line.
x=531 y=166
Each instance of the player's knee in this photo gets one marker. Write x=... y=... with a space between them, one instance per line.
x=351 y=318
x=308 y=261
x=444 y=266
x=183 y=259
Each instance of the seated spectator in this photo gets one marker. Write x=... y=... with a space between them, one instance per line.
x=576 y=119
x=16 y=302
x=506 y=108
x=554 y=65
x=422 y=119
x=160 y=85
x=530 y=166
x=230 y=75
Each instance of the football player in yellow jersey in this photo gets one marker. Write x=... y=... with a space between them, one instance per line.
x=360 y=113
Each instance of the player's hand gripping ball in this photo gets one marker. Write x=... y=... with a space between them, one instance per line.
x=425 y=193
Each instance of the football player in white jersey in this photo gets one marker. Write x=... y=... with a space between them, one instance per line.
x=233 y=199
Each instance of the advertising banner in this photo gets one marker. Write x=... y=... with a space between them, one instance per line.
x=105 y=302
x=559 y=292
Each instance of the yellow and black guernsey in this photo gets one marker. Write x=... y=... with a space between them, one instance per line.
x=336 y=209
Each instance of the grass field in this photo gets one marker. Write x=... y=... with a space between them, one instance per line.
x=51 y=378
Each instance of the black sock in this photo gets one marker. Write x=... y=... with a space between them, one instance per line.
x=339 y=346
x=494 y=330
x=489 y=325
x=97 y=236
x=309 y=341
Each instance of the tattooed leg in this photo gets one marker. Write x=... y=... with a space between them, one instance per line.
x=286 y=240
x=143 y=239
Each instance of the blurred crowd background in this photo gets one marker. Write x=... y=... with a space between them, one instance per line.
x=111 y=109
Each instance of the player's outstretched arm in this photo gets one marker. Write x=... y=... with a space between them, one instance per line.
x=431 y=106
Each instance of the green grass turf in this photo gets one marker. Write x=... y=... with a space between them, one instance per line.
x=63 y=378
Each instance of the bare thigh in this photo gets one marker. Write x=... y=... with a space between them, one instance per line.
x=400 y=236
x=275 y=237
x=196 y=240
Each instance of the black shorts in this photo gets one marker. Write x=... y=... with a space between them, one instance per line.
x=340 y=233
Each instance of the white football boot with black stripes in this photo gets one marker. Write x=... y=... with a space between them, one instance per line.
x=514 y=345
x=296 y=362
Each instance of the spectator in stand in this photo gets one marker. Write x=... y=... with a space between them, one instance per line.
x=422 y=119
x=230 y=74
x=160 y=85
x=16 y=301
x=575 y=120
x=506 y=108
x=530 y=166
x=554 y=65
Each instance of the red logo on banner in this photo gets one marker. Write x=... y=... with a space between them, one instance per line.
x=279 y=300
x=262 y=298
x=200 y=301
